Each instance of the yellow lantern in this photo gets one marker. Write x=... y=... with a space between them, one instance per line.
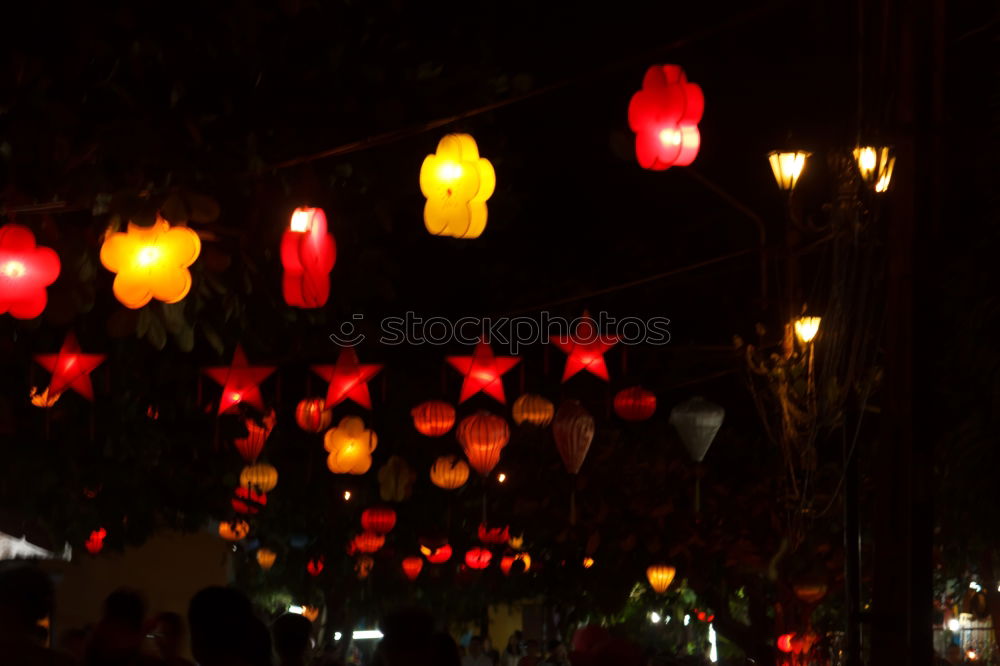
x=457 y=182
x=660 y=577
x=533 y=409
x=150 y=262
x=787 y=167
x=266 y=558
x=261 y=476
x=234 y=531
x=806 y=329
x=350 y=445
x=875 y=166
x=449 y=472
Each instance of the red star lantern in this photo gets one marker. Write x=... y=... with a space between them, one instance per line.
x=348 y=379
x=483 y=372
x=70 y=368
x=240 y=382
x=586 y=347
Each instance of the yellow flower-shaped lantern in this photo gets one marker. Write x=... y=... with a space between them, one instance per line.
x=151 y=262
x=350 y=445
x=457 y=182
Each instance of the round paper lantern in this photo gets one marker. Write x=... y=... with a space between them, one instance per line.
x=478 y=558
x=436 y=554
x=533 y=409
x=457 y=182
x=150 y=262
x=312 y=415
x=433 y=418
x=697 y=422
x=234 y=531
x=635 y=403
x=378 y=519
x=266 y=558
x=315 y=566
x=25 y=271
x=350 y=445
x=412 y=567
x=573 y=430
x=262 y=477
x=248 y=500
x=449 y=472
x=660 y=577
x=507 y=562
x=494 y=536
x=95 y=542
x=664 y=116
x=363 y=566
x=483 y=436
x=308 y=254
x=368 y=542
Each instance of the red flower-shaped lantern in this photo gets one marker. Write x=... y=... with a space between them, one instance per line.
x=308 y=254
x=378 y=519
x=25 y=271
x=635 y=403
x=664 y=116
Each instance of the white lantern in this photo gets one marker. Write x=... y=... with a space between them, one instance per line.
x=697 y=421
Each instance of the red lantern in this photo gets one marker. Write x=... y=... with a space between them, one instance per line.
x=240 y=382
x=312 y=415
x=70 y=368
x=95 y=542
x=664 y=116
x=483 y=436
x=315 y=566
x=368 y=542
x=433 y=418
x=483 y=372
x=251 y=445
x=573 y=429
x=248 y=500
x=25 y=271
x=348 y=379
x=785 y=642
x=586 y=347
x=635 y=403
x=378 y=519
x=308 y=254
x=412 y=567
x=494 y=536
x=478 y=558
x=507 y=562
x=436 y=554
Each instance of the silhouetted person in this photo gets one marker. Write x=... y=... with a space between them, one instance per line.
x=292 y=636
x=26 y=597
x=225 y=631
x=407 y=638
x=117 y=638
x=476 y=656
x=168 y=629
x=444 y=650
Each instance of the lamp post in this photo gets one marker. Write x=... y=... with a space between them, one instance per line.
x=875 y=166
x=787 y=167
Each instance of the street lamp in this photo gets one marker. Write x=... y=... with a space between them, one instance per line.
x=875 y=166
x=787 y=167
x=806 y=329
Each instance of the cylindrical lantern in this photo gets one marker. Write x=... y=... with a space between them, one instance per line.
x=483 y=436
x=247 y=500
x=456 y=182
x=412 y=567
x=449 y=472
x=533 y=409
x=312 y=415
x=433 y=418
x=266 y=558
x=234 y=531
x=308 y=254
x=368 y=542
x=660 y=577
x=315 y=566
x=494 y=536
x=573 y=430
x=378 y=519
x=478 y=558
x=635 y=403
x=25 y=272
x=436 y=554
x=261 y=476
x=664 y=116
x=350 y=445
x=697 y=421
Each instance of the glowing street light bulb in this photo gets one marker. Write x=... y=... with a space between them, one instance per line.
x=806 y=329
x=654 y=617
x=954 y=625
x=787 y=167
x=347 y=495
x=501 y=477
x=875 y=166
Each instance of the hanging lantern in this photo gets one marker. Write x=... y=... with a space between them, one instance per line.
x=262 y=477
x=875 y=166
x=350 y=445
x=516 y=542
x=308 y=254
x=70 y=368
x=438 y=554
x=787 y=167
x=150 y=262
x=235 y=530
x=483 y=436
x=363 y=567
x=635 y=404
x=25 y=272
x=395 y=480
x=240 y=382
x=494 y=536
x=811 y=592
x=806 y=329
x=449 y=472
x=315 y=566
x=457 y=182
x=573 y=430
x=478 y=558
x=266 y=558
x=660 y=576
x=248 y=501
x=664 y=116
x=483 y=372
x=433 y=418
x=507 y=562
x=588 y=562
x=585 y=349
x=378 y=519
x=697 y=421
x=251 y=445
x=412 y=567
x=310 y=613
x=368 y=542
x=533 y=409
x=312 y=415
x=95 y=542
x=348 y=379
x=784 y=642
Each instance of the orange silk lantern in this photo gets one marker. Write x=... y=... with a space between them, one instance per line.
x=378 y=519
x=494 y=536
x=308 y=254
x=315 y=566
x=95 y=542
x=70 y=368
x=25 y=271
x=262 y=477
x=266 y=558
x=483 y=372
x=363 y=567
x=664 y=116
x=635 y=403
x=457 y=182
x=585 y=348
x=433 y=418
x=449 y=472
x=251 y=445
x=368 y=542
x=507 y=562
x=478 y=558
x=573 y=430
x=350 y=445
x=533 y=409
x=348 y=379
x=412 y=567
x=240 y=382
x=312 y=415
x=235 y=530
x=249 y=501
x=150 y=262
x=483 y=436
x=660 y=577
x=436 y=554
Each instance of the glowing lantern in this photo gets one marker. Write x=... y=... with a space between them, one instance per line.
x=787 y=167
x=875 y=166
x=457 y=182
x=25 y=271
x=483 y=436
x=248 y=500
x=436 y=555
x=588 y=562
x=348 y=379
x=266 y=558
x=350 y=445
x=234 y=531
x=483 y=372
x=308 y=254
x=806 y=329
x=785 y=642
x=810 y=593
x=310 y=613
x=262 y=477
x=516 y=542
x=586 y=347
x=312 y=415
x=43 y=399
x=95 y=542
x=412 y=567
x=493 y=536
x=315 y=566
x=573 y=430
x=363 y=567
x=378 y=519
x=239 y=382
x=664 y=116
x=433 y=418
x=533 y=409
x=697 y=421
x=449 y=472
x=150 y=262
x=368 y=542
x=70 y=368
x=660 y=577
x=635 y=404
x=478 y=558
x=251 y=445
x=395 y=480
x=507 y=562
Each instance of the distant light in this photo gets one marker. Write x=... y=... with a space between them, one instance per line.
x=713 y=653
x=975 y=586
x=588 y=562
x=501 y=477
x=971 y=655
x=687 y=620
x=347 y=495
x=295 y=609
x=654 y=617
x=361 y=635
x=806 y=329
x=954 y=625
